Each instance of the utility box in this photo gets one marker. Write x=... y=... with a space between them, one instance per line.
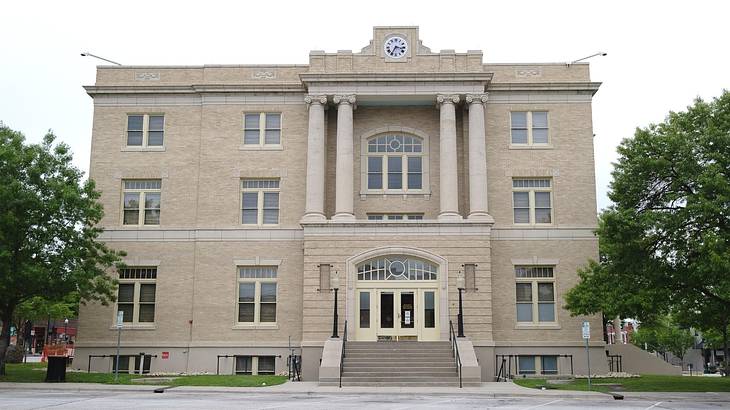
x=56 y=372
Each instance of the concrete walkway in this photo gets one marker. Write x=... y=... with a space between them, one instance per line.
x=505 y=389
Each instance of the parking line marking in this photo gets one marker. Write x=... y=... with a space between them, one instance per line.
x=544 y=404
x=654 y=405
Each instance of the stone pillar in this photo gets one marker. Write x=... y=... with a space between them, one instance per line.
x=314 y=208
x=449 y=191
x=478 y=206
x=345 y=160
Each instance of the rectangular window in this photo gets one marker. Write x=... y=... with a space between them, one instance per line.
x=364 y=310
x=267 y=365
x=395 y=173
x=123 y=363
x=395 y=217
x=526 y=364
x=244 y=365
x=375 y=173
x=529 y=128
x=535 y=294
x=415 y=173
x=136 y=294
x=260 y=201
x=145 y=130
x=532 y=201
x=429 y=310
x=262 y=129
x=257 y=294
x=141 y=202
x=549 y=364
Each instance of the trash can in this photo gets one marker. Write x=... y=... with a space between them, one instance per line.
x=56 y=369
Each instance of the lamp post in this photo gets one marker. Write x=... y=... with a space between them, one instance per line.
x=87 y=54
x=460 y=285
x=335 y=287
x=65 y=330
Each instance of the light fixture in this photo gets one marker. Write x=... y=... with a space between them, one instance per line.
x=87 y=54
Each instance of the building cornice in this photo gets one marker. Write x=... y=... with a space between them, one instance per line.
x=591 y=87
x=94 y=90
x=307 y=78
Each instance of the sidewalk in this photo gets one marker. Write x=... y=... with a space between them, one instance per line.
x=486 y=389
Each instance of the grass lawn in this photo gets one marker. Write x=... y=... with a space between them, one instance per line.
x=35 y=373
x=646 y=383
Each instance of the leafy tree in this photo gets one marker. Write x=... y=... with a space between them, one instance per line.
x=664 y=336
x=48 y=218
x=665 y=243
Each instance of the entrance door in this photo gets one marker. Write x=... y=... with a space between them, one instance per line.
x=397 y=315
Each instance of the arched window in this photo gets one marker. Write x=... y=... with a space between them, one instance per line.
x=395 y=163
x=396 y=267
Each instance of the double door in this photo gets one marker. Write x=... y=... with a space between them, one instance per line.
x=397 y=314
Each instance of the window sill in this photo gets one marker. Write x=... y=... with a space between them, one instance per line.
x=135 y=327
x=268 y=226
x=136 y=227
x=529 y=147
x=533 y=225
x=260 y=148
x=538 y=326
x=143 y=149
x=426 y=194
x=255 y=326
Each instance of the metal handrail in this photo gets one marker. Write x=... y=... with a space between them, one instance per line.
x=455 y=349
x=342 y=354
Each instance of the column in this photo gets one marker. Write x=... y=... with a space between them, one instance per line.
x=447 y=170
x=314 y=208
x=345 y=160
x=478 y=206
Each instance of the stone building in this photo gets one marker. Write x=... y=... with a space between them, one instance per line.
x=244 y=194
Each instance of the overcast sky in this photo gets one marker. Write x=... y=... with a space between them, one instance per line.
x=661 y=54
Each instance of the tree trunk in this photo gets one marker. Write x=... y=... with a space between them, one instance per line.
x=6 y=317
x=726 y=356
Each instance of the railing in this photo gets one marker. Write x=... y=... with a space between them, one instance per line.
x=294 y=367
x=614 y=362
x=455 y=349
x=342 y=355
x=503 y=366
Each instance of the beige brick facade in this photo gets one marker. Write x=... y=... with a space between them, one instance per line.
x=200 y=240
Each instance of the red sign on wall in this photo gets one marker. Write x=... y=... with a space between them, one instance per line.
x=165 y=355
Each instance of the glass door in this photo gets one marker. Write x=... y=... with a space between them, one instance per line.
x=407 y=315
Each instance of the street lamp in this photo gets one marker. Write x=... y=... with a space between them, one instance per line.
x=600 y=53
x=460 y=285
x=65 y=329
x=335 y=287
x=87 y=54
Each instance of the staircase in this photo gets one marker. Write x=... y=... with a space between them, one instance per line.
x=399 y=364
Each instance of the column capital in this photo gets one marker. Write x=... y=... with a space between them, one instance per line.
x=315 y=99
x=447 y=99
x=344 y=99
x=477 y=98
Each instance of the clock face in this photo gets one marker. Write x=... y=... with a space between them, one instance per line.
x=396 y=47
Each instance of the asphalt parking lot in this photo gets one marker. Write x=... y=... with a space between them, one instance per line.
x=38 y=399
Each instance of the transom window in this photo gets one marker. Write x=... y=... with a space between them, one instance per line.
x=395 y=217
x=257 y=294
x=395 y=163
x=397 y=267
x=141 y=202
x=532 y=201
x=535 y=294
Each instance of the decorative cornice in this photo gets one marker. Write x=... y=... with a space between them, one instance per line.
x=315 y=99
x=447 y=99
x=345 y=99
x=477 y=98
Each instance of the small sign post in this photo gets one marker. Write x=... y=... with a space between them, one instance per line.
x=120 y=321
x=586 y=336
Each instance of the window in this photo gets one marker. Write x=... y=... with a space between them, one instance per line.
x=255 y=365
x=257 y=294
x=529 y=127
x=145 y=130
x=364 y=310
x=532 y=201
x=535 y=294
x=141 y=202
x=549 y=364
x=429 y=309
x=136 y=294
x=526 y=364
x=395 y=217
x=395 y=163
x=262 y=129
x=396 y=267
x=260 y=201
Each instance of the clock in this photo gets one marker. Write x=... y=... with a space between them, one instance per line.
x=395 y=47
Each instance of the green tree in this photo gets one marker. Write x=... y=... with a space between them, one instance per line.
x=48 y=218
x=664 y=335
x=665 y=241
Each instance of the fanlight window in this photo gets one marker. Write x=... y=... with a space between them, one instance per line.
x=395 y=143
x=395 y=163
x=397 y=267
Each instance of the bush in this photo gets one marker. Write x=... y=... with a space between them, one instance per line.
x=14 y=354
